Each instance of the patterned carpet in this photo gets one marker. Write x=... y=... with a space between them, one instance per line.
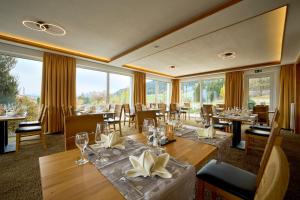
x=20 y=178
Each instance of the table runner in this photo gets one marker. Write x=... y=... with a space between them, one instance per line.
x=220 y=140
x=180 y=186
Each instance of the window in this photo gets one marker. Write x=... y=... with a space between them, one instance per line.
x=91 y=87
x=157 y=91
x=212 y=91
x=20 y=86
x=119 y=89
x=190 y=93
x=259 y=92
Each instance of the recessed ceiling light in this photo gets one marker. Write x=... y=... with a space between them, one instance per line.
x=156 y=46
x=227 y=55
x=172 y=67
x=51 y=29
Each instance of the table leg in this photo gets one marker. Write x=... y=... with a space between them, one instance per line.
x=4 y=146
x=236 y=138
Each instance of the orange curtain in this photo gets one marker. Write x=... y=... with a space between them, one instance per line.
x=58 y=88
x=234 y=83
x=139 y=88
x=175 y=91
x=286 y=95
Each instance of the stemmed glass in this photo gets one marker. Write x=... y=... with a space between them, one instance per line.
x=81 y=141
x=101 y=128
x=148 y=129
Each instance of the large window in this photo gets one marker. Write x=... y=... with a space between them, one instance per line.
x=91 y=87
x=119 y=89
x=259 y=92
x=157 y=91
x=20 y=87
x=190 y=93
x=212 y=91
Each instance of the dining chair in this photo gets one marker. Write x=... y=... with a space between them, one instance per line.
x=141 y=115
x=116 y=119
x=207 y=112
x=162 y=111
x=34 y=123
x=80 y=123
x=257 y=136
x=152 y=105
x=128 y=115
x=263 y=114
x=232 y=182
x=138 y=107
x=173 y=111
x=27 y=131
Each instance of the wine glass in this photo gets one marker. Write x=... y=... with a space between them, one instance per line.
x=81 y=141
x=101 y=128
x=148 y=129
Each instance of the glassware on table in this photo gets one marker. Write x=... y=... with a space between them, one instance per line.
x=101 y=128
x=81 y=141
x=148 y=129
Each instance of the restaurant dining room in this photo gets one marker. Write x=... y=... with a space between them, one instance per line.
x=154 y=100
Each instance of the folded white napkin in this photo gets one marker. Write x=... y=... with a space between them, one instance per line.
x=148 y=164
x=112 y=140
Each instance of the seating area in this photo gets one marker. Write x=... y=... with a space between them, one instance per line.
x=156 y=100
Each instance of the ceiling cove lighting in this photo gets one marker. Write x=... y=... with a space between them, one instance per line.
x=48 y=28
x=228 y=55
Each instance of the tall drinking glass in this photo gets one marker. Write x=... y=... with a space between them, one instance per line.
x=101 y=128
x=81 y=141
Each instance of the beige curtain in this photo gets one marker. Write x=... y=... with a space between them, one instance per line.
x=139 y=88
x=175 y=91
x=286 y=95
x=58 y=88
x=234 y=83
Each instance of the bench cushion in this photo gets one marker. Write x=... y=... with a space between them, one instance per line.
x=260 y=127
x=30 y=123
x=257 y=132
x=28 y=129
x=234 y=180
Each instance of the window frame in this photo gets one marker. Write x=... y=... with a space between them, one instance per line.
x=169 y=88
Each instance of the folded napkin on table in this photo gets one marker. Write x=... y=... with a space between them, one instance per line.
x=148 y=164
x=112 y=140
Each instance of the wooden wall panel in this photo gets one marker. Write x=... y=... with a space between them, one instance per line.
x=297 y=98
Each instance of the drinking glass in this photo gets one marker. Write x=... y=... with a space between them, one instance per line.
x=101 y=128
x=148 y=129
x=81 y=141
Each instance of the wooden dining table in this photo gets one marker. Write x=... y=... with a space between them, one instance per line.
x=61 y=178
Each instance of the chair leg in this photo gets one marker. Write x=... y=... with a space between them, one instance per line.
x=18 y=140
x=125 y=120
x=129 y=121
x=120 y=129
x=199 y=190
x=43 y=140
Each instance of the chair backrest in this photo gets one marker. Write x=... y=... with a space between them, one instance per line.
x=220 y=105
x=162 y=107
x=272 y=139
x=126 y=108
x=207 y=109
x=138 y=107
x=275 y=178
x=173 y=107
x=118 y=110
x=187 y=105
x=141 y=115
x=80 y=123
x=263 y=113
x=152 y=105
x=41 y=111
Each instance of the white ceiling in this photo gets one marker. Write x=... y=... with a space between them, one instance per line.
x=108 y=28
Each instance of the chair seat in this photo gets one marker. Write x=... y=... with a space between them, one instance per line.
x=219 y=126
x=130 y=115
x=28 y=129
x=260 y=127
x=234 y=180
x=257 y=132
x=111 y=120
x=30 y=123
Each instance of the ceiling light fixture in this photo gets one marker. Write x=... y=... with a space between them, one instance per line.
x=172 y=67
x=51 y=29
x=227 y=55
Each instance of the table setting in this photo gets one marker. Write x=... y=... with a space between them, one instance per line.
x=136 y=170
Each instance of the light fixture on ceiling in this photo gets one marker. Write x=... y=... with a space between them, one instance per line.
x=227 y=55
x=156 y=46
x=49 y=28
x=172 y=67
